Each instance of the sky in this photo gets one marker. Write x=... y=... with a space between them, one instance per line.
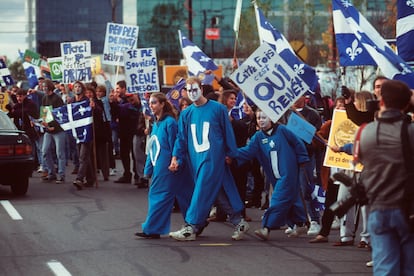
x=13 y=26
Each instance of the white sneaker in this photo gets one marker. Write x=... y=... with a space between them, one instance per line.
x=40 y=169
x=262 y=233
x=336 y=224
x=370 y=264
x=297 y=231
x=240 y=229
x=314 y=228
x=289 y=230
x=184 y=234
x=112 y=172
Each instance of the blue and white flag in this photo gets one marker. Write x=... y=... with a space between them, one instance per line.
x=405 y=29
x=77 y=119
x=269 y=34
x=174 y=95
x=5 y=73
x=197 y=61
x=31 y=76
x=357 y=38
x=237 y=111
x=145 y=106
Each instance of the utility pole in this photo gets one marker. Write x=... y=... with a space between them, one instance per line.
x=113 y=5
x=190 y=20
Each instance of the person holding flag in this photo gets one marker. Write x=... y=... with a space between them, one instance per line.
x=86 y=176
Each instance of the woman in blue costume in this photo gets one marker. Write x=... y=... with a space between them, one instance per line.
x=205 y=137
x=165 y=185
x=280 y=152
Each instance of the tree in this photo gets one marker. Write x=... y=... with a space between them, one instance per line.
x=17 y=71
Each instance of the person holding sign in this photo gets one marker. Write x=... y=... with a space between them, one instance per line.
x=53 y=132
x=205 y=135
x=274 y=142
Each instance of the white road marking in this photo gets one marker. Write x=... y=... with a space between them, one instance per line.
x=10 y=210
x=58 y=269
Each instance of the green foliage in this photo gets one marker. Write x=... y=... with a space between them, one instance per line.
x=17 y=71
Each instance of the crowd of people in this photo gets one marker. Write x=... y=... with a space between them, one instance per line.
x=202 y=155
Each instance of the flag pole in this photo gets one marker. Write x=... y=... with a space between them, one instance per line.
x=236 y=27
x=95 y=163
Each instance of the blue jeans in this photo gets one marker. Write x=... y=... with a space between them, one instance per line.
x=307 y=183
x=392 y=243
x=60 y=143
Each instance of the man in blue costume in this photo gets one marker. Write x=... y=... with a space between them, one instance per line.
x=205 y=137
x=281 y=153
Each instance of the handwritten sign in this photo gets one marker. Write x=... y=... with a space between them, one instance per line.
x=35 y=59
x=76 y=61
x=269 y=81
x=141 y=70
x=118 y=39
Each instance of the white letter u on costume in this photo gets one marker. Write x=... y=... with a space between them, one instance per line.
x=205 y=144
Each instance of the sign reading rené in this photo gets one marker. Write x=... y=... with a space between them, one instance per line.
x=76 y=61
x=118 y=39
x=269 y=81
x=141 y=70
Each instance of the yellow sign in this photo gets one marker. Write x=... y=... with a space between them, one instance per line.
x=173 y=73
x=96 y=65
x=4 y=100
x=342 y=132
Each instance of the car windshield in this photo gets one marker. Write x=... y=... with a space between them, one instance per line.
x=5 y=122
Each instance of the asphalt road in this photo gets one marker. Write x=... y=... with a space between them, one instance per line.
x=57 y=230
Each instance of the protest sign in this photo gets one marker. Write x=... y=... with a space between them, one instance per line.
x=35 y=59
x=55 y=65
x=141 y=70
x=302 y=128
x=96 y=66
x=46 y=113
x=342 y=132
x=76 y=61
x=118 y=39
x=269 y=81
x=4 y=100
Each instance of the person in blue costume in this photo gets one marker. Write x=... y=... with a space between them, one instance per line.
x=281 y=153
x=165 y=185
x=205 y=137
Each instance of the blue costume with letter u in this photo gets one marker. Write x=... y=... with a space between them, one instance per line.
x=206 y=137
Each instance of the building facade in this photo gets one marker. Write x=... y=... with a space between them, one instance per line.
x=63 y=21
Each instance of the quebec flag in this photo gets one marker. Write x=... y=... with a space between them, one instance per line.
x=31 y=76
x=197 y=61
x=145 y=106
x=5 y=73
x=405 y=29
x=357 y=38
x=269 y=34
x=77 y=119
